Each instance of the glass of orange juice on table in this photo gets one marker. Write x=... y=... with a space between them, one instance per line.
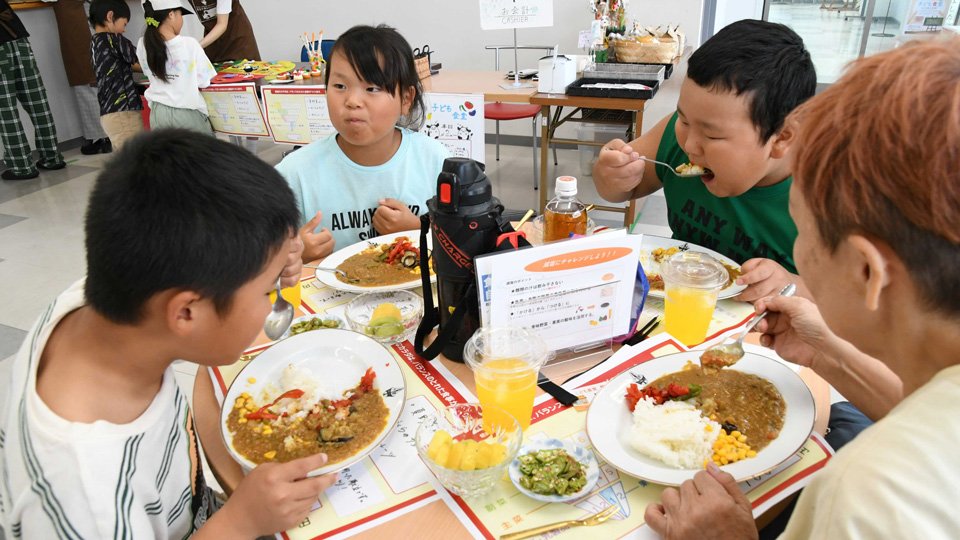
x=505 y=363
x=691 y=282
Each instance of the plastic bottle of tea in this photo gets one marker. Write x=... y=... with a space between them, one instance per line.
x=564 y=215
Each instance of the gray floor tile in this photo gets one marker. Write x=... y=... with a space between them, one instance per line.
x=10 y=190
x=10 y=340
x=6 y=220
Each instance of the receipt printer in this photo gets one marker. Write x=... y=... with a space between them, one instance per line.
x=556 y=72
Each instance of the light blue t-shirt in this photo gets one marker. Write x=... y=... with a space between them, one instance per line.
x=323 y=178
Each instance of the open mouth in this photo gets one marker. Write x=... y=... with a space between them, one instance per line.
x=707 y=175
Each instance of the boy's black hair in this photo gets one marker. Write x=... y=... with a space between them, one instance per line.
x=381 y=56
x=100 y=8
x=176 y=209
x=765 y=60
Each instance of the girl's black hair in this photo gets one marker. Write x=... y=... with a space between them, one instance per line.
x=381 y=56
x=100 y=8
x=154 y=43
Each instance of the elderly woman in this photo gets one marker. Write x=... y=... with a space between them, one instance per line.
x=876 y=200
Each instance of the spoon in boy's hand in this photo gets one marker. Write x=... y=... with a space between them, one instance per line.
x=687 y=170
x=279 y=318
x=727 y=354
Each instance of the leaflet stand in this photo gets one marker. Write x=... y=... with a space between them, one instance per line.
x=516 y=69
x=513 y=14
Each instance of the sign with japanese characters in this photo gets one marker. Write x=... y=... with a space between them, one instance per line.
x=925 y=16
x=297 y=115
x=235 y=110
x=501 y=14
x=456 y=120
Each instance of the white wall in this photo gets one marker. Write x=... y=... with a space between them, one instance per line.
x=450 y=27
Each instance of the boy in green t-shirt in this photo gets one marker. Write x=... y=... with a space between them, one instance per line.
x=740 y=86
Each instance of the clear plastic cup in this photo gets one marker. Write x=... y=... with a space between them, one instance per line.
x=691 y=282
x=505 y=363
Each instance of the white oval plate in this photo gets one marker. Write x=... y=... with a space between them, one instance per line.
x=609 y=421
x=651 y=242
x=335 y=259
x=582 y=454
x=340 y=357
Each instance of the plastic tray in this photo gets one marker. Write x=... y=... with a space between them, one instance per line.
x=575 y=88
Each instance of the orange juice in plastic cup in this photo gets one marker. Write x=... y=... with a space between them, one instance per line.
x=505 y=363
x=290 y=294
x=691 y=282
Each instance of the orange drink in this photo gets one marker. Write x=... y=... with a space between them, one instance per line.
x=508 y=383
x=505 y=363
x=691 y=281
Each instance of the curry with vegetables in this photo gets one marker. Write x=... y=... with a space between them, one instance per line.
x=382 y=264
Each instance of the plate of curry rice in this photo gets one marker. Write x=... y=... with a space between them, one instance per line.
x=663 y=420
x=656 y=249
x=385 y=263
x=336 y=392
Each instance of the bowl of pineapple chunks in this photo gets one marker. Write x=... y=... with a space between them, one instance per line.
x=469 y=446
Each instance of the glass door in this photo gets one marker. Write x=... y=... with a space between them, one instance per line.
x=835 y=32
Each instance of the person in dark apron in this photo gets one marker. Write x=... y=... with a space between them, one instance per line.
x=227 y=33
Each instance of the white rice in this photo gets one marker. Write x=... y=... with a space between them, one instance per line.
x=298 y=378
x=674 y=433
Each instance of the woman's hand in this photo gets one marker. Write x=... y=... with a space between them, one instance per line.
x=794 y=329
x=394 y=216
x=316 y=245
x=709 y=506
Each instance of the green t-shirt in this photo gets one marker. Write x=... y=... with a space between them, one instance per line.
x=754 y=224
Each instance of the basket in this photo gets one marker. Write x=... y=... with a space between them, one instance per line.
x=661 y=51
x=423 y=66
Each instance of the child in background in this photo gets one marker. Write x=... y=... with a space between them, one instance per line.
x=177 y=68
x=114 y=61
x=372 y=177
x=740 y=86
x=96 y=438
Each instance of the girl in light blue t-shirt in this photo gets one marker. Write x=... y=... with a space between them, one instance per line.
x=374 y=175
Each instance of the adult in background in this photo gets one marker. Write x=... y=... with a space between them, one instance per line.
x=75 y=35
x=20 y=81
x=227 y=33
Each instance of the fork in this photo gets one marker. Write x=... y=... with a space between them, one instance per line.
x=588 y=521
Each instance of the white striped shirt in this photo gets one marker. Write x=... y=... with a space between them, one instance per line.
x=62 y=479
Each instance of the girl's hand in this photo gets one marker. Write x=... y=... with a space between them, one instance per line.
x=290 y=275
x=764 y=277
x=316 y=245
x=394 y=216
x=276 y=496
x=794 y=328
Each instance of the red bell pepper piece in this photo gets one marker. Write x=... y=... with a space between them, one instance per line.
x=263 y=414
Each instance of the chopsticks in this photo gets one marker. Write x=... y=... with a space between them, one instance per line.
x=644 y=332
x=524 y=220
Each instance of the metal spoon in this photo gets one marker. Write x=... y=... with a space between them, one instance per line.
x=726 y=354
x=279 y=318
x=674 y=171
x=337 y=271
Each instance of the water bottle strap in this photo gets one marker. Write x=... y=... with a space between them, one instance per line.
x=431 y=315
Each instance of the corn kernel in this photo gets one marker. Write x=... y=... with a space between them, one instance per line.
x=267 y=430
x=251 y=380
x=270 y=455
x=241 y=420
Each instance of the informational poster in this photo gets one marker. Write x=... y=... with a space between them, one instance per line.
x=925 y=15
x=456 y=120
x=570 y=293
x=235 y=110
x=297 y=115
x=501 y=14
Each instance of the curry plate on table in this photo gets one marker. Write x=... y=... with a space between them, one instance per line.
x=655 y=249
x=371 y=266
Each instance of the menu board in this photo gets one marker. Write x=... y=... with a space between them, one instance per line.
x=456 y=120
x=235 y=110
x=925 y=16
x=297 y=115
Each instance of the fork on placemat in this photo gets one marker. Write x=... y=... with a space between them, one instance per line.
x=595 y=519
